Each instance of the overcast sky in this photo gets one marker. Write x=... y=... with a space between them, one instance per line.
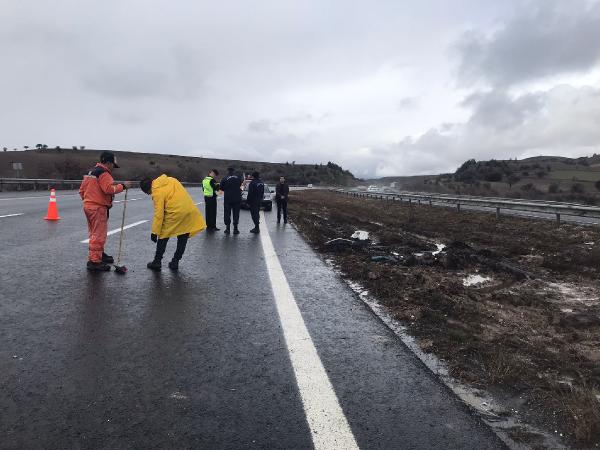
x=394 y=87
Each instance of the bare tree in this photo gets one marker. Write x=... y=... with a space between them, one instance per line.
x=26 y=147
x=5 y=149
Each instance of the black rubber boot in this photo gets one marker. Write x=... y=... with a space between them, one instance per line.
x=107 y=258
x=255 y=230
x=174 y=265
x=235 y=230
x=97 y=266
x=154 y=265
x=227 y=230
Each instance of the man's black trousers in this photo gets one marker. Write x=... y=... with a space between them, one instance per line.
x=255 y=213
x=161 y=246
x=234 y=208
x=210 y=211
x=281 y=207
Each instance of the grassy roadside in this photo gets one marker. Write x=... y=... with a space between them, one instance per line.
x=530 y=332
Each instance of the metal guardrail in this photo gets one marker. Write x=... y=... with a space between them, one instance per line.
x=49 y=183
x=546 y=207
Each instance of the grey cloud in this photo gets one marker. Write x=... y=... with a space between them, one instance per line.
x=263 y=126
x=543 y=39
x=497 y=111
x=563 y=120
x=408 y=103
x=125 y=83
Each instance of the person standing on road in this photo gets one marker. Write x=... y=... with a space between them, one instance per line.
x=175 y=215
x=210 y=187
x=97 y=191
x=256 y=192
x=282 y=191
x=231 y=185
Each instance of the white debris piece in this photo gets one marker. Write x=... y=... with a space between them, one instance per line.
x=473 y=280
x=360 y=235
x=440 y=249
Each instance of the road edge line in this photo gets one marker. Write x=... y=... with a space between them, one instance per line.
x=328 y=425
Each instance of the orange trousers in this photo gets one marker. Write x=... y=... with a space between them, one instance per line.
x=97 y=219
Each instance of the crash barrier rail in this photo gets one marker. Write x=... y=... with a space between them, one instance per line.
x=36 y=184
x=497 y=204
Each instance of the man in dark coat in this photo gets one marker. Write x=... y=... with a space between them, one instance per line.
x=256 y=192
x=282 y=190
x=231 y=186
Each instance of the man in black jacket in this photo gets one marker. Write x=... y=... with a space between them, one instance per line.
x=256 y=192
x=231 y=185
x=282 y=190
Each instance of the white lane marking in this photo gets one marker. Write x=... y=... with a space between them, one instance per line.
x=135 y=224
x=328 y=425
x=198 y=203
x=129 y=200
x=11 y=215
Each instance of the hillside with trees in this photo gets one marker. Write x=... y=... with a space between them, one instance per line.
x=72 y=163
x=542 y=177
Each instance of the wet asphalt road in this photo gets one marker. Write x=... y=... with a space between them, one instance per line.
x=195 y=359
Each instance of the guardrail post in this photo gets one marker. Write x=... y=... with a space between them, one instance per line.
x=557 y=219
x=458 y=207
x=430 y=203
x=419 y=201
x=497 y=213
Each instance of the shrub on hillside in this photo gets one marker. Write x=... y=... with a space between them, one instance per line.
x=577 y=189
x=554 y=188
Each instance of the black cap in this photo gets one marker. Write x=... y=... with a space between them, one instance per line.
x=255 y=174
x=230 y=169
x=215 y=171
x=109 y=157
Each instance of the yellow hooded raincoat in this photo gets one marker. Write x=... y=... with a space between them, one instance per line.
x=174 y=209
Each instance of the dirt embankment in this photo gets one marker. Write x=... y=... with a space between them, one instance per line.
x=511 y=305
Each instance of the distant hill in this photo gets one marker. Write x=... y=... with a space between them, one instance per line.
x=72 y=164
x=541 y=177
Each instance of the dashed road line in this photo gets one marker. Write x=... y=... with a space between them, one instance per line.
x=129 y=200
x=11 y=215
x=328 y=425
x=135 y=224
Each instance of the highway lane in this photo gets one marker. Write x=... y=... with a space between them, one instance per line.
x=199 y=358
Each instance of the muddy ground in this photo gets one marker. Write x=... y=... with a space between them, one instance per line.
x=510 y=305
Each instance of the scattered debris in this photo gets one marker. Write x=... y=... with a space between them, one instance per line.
x=533 y=320
x=360 y=235
x=475 y=279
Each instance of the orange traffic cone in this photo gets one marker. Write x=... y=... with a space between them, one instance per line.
x=52 y=207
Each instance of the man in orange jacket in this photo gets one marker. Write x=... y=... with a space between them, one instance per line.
x=97 y=192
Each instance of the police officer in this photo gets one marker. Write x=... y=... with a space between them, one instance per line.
x=210 y=187
x=256 y=191
x=231 y=185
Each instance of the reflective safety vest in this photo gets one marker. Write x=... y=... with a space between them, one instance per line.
x=208 y=189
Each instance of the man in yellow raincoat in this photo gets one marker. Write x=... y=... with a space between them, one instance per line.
x=175 y=215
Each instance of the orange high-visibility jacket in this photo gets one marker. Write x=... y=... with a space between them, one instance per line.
x=97 y=187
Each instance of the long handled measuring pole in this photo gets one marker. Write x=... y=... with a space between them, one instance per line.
x=118 y=268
